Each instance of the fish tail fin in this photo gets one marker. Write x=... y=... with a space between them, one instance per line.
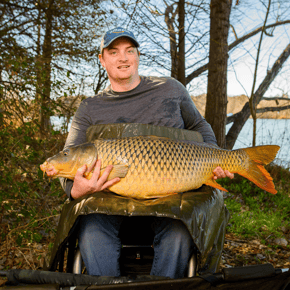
x=260 y=156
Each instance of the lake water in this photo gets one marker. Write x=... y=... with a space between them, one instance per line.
x=269 y=132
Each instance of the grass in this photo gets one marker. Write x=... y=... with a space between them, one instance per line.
x=255 y=212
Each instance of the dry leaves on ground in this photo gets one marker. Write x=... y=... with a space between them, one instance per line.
x=242 y=252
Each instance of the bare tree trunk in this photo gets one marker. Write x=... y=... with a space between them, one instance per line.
x=240 y=118
x=100 y=78
x=46 y=74
x=169 y=20
x=38 y=66
x=1 y=98
x=216 y=104
x=181 y=42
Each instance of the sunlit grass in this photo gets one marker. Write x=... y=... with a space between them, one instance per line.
x=255 y=212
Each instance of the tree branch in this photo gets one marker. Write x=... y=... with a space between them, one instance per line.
x=275 y=99
x=272 y=109
x=241 y=117
x=256 y=31
x=204 y=68
x=253 y=106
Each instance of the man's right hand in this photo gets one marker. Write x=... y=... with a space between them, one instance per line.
x=82 y=186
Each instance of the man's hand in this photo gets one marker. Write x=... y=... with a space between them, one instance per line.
x=83 y=186
x=220 y=173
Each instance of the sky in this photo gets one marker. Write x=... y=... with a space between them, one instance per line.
x=241 y=73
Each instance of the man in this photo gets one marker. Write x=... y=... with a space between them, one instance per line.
x=131 y=98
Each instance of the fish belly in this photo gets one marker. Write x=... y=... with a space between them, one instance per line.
x=159 y=166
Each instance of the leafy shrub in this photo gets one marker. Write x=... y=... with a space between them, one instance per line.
x=29 y=202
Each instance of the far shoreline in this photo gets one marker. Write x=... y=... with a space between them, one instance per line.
x=235 y=105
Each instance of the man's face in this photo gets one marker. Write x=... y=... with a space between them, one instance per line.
x=121 y=60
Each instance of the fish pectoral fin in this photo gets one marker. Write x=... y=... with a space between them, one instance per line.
x=151 y=196
x=119 y=170
x=211 y=182
x=156 y=137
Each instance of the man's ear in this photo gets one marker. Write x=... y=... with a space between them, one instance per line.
x=101 y=61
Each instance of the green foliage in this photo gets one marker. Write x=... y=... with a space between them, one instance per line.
x=29 y=202
x=255 y=212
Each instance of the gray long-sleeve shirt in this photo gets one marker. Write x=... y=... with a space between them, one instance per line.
x=160 y=101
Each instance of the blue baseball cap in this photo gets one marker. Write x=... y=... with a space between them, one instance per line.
x=115 y=33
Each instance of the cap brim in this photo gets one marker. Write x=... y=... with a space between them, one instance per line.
x=118 y=36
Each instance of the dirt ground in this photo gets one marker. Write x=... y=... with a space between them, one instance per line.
x=237 y=252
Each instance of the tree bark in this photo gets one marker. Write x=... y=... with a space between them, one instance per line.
x=240 y=118
x=38 y=66
x=216 y=104
x=169 y=20
x=181 y=42
x=46 y=74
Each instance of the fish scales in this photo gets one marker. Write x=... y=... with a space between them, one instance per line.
x=152 y=166
x=161 y=166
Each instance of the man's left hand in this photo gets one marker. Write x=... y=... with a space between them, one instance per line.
x=220 y=173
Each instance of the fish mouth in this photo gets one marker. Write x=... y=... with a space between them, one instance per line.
x=53 y=173
x=46 y=167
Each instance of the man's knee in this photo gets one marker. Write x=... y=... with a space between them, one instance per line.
x=173 y=233
x=180 y=235
x=94 y=226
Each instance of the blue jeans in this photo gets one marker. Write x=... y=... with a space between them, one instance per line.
x=100 y=245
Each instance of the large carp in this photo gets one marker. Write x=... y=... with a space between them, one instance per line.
x=152 y=166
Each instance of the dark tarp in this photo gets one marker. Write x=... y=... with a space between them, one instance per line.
x=18 y=276
x=202 y=210
x=33 y=287
x=129 y=130
x=262 y=277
